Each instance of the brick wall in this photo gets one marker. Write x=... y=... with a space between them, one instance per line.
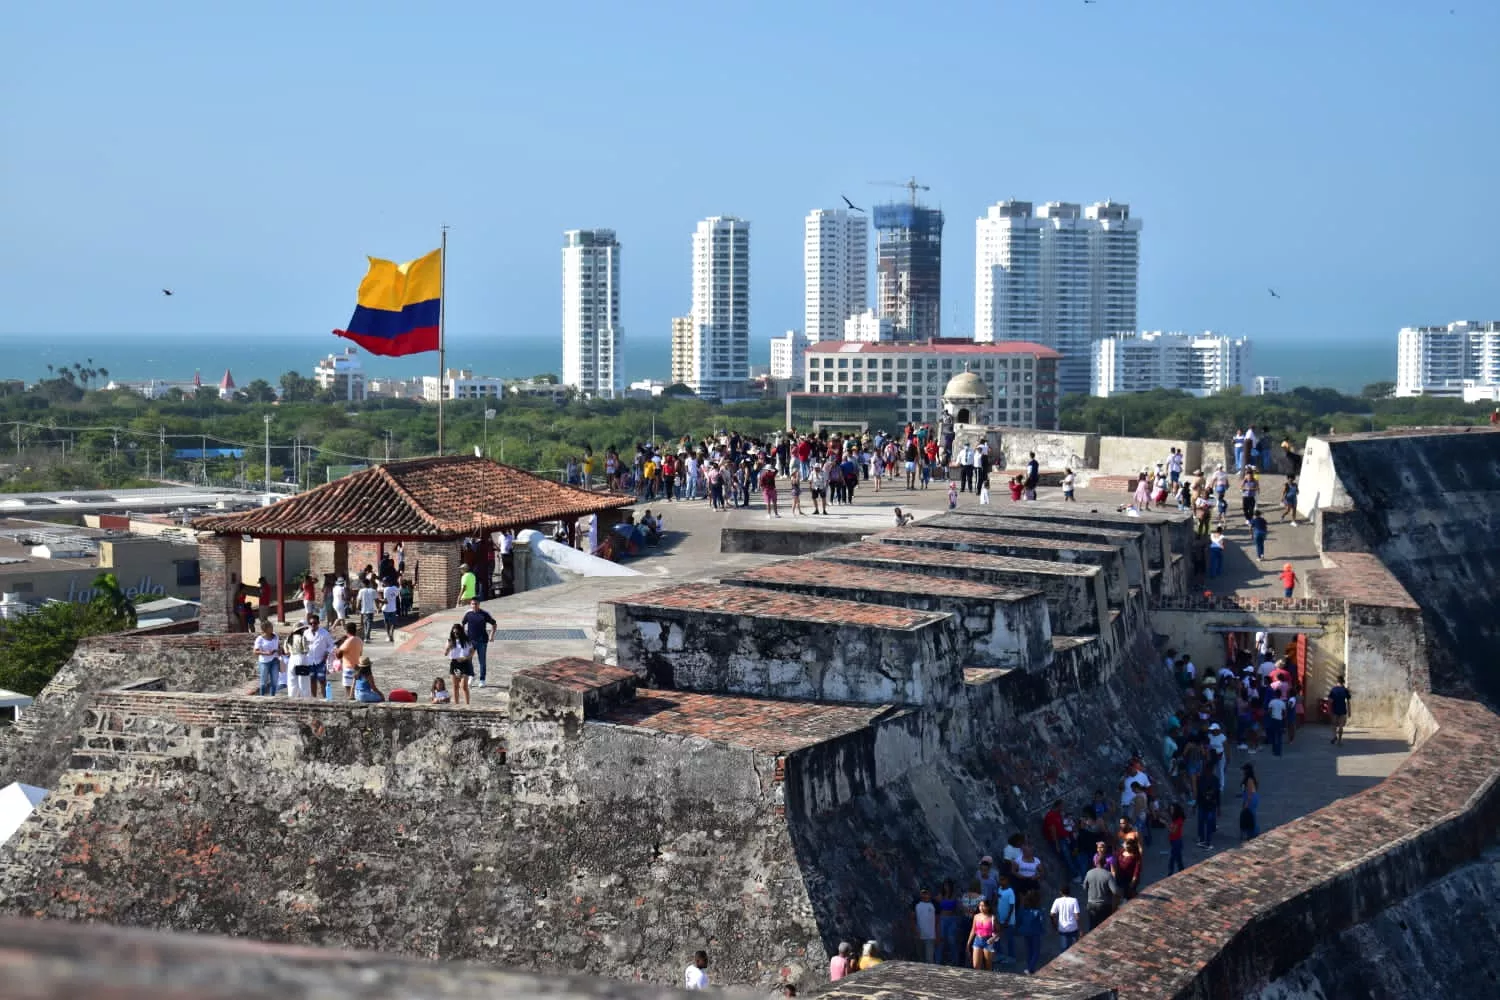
x=437 y=567
x=218 y=580
x=1242 y=917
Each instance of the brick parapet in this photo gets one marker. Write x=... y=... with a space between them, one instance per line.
x=1239 y=918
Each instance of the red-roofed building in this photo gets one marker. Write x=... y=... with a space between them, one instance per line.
x=432 y=505
x=1021 y=376
x=226 y=386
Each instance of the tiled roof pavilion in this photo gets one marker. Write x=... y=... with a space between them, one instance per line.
x=418 y=499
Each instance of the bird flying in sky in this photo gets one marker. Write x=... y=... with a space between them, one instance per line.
x=850 y=203
x=1273 y=293
x=166 y=291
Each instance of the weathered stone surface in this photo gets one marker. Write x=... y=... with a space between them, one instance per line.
x=1076 y=602
x=1168 y=534
x=797 y=541
x=1000 y=626
x=35 y=751
x=1130 y=543
x=739 y=640
x=1107 y=557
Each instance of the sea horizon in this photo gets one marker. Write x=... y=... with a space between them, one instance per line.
x=1343 y=364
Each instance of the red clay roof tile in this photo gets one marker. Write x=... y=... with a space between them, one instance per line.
x=449 y=497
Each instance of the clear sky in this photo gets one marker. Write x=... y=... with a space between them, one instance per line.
x=248 y=156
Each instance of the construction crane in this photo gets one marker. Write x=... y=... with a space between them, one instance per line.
x=911 y=185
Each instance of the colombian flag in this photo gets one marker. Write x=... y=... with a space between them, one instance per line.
x=398 y=306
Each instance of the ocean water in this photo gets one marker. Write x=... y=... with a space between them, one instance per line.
x=1346 y=365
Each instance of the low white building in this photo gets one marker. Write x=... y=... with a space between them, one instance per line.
x=539 y=390
x=787 y=354
x=646 y=388
x=343 y=374
x=868 y=328
x=461 y=383
x=1021 y=378
x=1267 y=385
x=1200 y=364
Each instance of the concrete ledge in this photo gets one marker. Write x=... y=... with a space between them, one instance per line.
x=789 y=542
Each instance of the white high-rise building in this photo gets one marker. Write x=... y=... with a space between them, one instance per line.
x=720 y=347
x=835 y=271
x=1267 y=385
x=787 y=352
x=868 y=328
x=343 y=374
x=1446 y=360
x=592 y=336
x=1058 y=275
x=1201 y=364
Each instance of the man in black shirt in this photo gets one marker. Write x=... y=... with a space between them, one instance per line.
x=479 y=629
x=1033 y=476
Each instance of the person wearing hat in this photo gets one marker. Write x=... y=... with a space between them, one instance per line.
x=1218 y=745
x=989 y=879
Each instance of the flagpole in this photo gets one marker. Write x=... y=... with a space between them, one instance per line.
x=442 y=342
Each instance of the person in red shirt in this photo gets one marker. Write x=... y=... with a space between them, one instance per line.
x=1174 y=840
x=1288 y=579
x=1017 y=487
x=1052 y=825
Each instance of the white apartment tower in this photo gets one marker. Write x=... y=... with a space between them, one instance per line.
x=1200 y=364
x=1058 y=275
x=720 y=347
x=592 y=336
x=835 y=271
x=1446 y=360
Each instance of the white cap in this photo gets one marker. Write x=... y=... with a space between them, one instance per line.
x=1215 y=728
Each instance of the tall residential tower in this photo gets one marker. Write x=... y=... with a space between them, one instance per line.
x=1057 y=275
x=720 y=355
x=835 y=271
x=592 y=336
x=909 y=267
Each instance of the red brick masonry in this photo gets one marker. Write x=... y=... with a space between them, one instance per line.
x=717 y=598
x=882 y=553
x=577 y=674
x=1360 y=578
x=1228 y=924
x=816 y=572
x=772 y=727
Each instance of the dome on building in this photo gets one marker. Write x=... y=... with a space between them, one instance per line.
x=966 y=385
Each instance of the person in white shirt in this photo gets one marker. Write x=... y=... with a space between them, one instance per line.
x=1219 y=742
x=925 y=915
x=366 y=600
x=391 y=602
x=267 y=655
x=1275 y=722
x=319 y=650
x=697 y=973
x=1065 y=917
x=340 y=599
x=1268 y=667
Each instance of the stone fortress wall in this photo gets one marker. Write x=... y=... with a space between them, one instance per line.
x=603 y=825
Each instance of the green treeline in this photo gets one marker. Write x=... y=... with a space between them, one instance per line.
x=60 y=434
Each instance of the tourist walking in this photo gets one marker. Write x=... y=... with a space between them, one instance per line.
x=1258 y=531
x=842 y=964
x=268 y=657
x=347 y=654
x=479 y=629
x=1029 y=926
x=365 y=600
x=1174 y=840
x=924 y=917
x=1250 y=810
x=1208 y=807
x=460 y=663
x=1339 y=699
x=1288 y=580
x=696 y=976
x=1216 y=545
x=981 y=936
x=1099 y=892
x=390 y=605
x=340 y=600
x=948 y=916
x=1064 y=914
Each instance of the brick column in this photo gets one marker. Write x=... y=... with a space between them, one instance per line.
x=218 y=578
x=322 y=558
x=437 y=574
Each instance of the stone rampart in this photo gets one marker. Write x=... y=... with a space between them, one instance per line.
x=1427 y=505
x=1129 y=543
x=1125 y=455
x=35 y=750
x=1076 y=602
x=1167 y=543
x=1000 y=626
x=786 y=542
x=1054 y=449
x=1241 y=919
x=740 y=640
x=1106 y=557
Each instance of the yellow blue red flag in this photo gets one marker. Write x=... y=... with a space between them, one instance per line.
x=399 y=306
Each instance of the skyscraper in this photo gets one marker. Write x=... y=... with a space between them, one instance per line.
x=1058 y=276
x=835 y=271
x=682 y=349
x=592 y=336
x=721 y=307
x=909 y=267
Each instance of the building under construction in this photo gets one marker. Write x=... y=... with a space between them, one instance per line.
x=909 y=267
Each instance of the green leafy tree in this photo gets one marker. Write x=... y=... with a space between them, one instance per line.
x=297 y=388
x=34 y=647
x=1378 y=390
x=259 y=391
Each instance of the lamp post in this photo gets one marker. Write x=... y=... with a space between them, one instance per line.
x=268 y=457
x=488 y=416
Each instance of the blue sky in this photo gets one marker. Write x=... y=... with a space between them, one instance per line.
x=249 y=156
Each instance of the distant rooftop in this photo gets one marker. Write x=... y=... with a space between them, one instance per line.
x=758 y=723
x=943 y=345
